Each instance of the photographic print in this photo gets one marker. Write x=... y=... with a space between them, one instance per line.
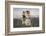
x=25 y=17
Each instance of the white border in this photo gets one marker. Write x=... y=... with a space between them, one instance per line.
x=29 y=28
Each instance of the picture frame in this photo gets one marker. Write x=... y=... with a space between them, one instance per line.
x=17 y=5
